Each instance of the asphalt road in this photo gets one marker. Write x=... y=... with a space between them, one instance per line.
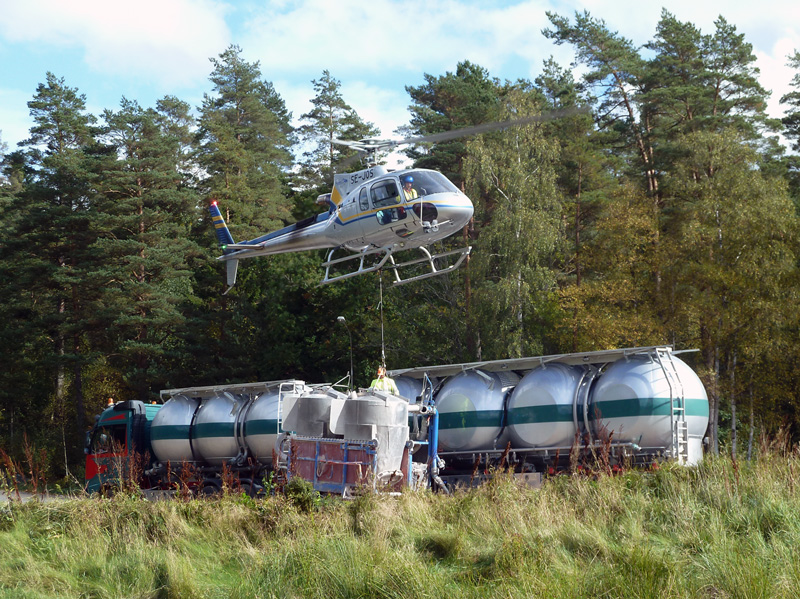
x=29 y=496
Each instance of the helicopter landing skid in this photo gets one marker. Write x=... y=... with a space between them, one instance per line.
x=384 y=258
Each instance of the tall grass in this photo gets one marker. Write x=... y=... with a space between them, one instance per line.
x=721 y=529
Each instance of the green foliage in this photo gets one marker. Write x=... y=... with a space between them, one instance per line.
x=451 y=101
x=330 y=118
x=243 y=146
x=674 y=532
x=667 y=215
x=302 y=494
x=512 y=182
x=145 y=218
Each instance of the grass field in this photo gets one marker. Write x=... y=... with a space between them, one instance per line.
x=723 y=529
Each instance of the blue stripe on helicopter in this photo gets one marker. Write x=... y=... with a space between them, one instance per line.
x=371 y=213
x=326 y=215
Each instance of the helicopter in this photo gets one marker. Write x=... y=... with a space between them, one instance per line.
x=373 y=214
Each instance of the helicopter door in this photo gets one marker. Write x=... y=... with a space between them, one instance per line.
x=385 y=197
x=350 y=218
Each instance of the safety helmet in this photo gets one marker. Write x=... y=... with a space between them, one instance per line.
x=408 y=179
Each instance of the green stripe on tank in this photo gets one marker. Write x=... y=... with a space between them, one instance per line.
x=266 y=426
x=451 y=420
x=167 y=433
x=213 y=429
x=651 y=406
x=697 y=407
x=534 y=414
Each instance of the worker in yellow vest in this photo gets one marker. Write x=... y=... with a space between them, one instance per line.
x=409 y=193
x=383 y=382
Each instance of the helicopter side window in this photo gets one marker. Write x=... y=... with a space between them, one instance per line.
x=363 y=202
x=384 y=194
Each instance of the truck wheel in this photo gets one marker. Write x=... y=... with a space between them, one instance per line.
x=210 y=489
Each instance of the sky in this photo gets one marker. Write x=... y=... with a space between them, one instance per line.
x=147 y=49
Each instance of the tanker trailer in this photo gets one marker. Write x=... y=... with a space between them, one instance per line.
x=639 y=403
x=198 y=432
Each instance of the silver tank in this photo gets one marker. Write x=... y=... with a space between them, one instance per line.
x=262 y=419
x=309 y=414
x=262 y=425
x=214 y=434
x=470 y=406
x=632 y=401
x=540 y=408
x=374 y=415
x=409 y=388
x=171 y=428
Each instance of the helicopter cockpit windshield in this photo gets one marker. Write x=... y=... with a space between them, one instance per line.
x=422 y=184
x=426 y=183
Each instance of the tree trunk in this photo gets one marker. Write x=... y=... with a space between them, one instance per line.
x=714 y=423
x=752 y=427
x=80 y=409
x=733 y=405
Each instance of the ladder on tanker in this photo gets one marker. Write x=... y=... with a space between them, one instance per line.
x=285 y=388
x=677 y=402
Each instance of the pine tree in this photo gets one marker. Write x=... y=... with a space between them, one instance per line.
x=143 y=232
x=51 y=245
x=244 y=146
x=330 y=118
x=451 y=101
x=615 y=76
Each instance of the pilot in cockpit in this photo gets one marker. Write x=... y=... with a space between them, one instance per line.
x=409 y=192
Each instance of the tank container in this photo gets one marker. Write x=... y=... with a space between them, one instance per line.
x=632 y=401
x=171 y=428
x=214 y=434
x=309 y=414
x=262 y=424
x=410 y=388
x=471 y=406
x=540 y=408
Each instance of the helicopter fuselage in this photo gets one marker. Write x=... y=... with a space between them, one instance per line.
x=371 y=210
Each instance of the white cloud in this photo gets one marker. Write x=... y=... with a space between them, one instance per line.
x=15 y=122
x=389 y=36
x=169 y=40
x=775 y=74
x=384 y=107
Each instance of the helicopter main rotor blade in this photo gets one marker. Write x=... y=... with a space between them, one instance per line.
x=486 y=127
x=346 y=162
x=375 y=145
